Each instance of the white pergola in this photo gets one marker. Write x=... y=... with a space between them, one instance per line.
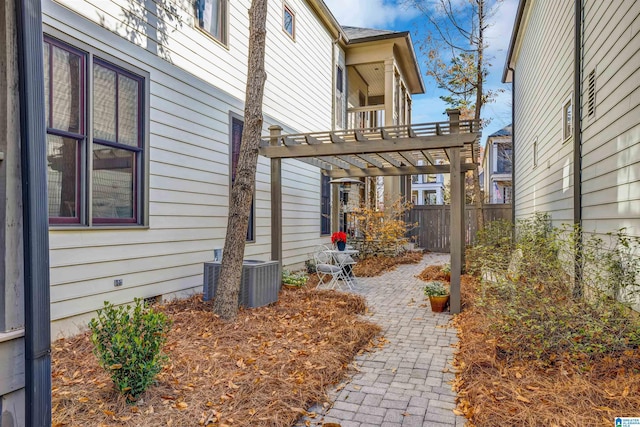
x=431 y=148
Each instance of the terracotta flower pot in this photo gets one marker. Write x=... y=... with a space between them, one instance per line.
x=439 y=304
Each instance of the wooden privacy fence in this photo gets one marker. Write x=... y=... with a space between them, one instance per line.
x=433 y=231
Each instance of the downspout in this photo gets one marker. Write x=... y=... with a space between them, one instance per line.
x=36 y=228
x=513 y=150
x=577 y=146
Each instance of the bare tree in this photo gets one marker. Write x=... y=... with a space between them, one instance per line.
x=226 y=301
x=457 y=62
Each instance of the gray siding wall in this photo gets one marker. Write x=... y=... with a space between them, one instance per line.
x=611 y=136
x=543 y=83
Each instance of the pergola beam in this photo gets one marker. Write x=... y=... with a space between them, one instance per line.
x=395 y=171
x=368 y=147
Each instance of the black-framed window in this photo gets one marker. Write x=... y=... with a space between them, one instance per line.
x=289 y=21
x=340 y=96
x=92 y=178
x=237 y=125
x=212 y=18
x=325 y=205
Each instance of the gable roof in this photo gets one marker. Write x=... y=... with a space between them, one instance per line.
x=362 y=35
x=505 y=131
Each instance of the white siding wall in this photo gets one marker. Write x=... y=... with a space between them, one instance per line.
x=543 y=83
x=611 y=138
x=194 y=84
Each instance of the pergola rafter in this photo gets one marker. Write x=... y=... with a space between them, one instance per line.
x=429 y=148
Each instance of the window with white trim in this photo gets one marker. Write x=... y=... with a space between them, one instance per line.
x=289 y=21
x=567 y=120
x=212 y=18
x=93 y=178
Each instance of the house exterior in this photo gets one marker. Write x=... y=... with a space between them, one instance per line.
x=144 y=104
x=577 y=112
x=496 y=167
x=575 y=70
x=427 y=189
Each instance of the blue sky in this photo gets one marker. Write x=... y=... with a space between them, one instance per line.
x=428 y=107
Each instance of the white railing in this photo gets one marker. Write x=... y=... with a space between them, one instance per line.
x=370 y=116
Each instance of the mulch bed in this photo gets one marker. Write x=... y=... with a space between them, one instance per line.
x=493 y=391
x=375 y=266
x=434 y=272
x=264 y=369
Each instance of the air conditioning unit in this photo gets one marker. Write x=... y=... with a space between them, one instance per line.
x=260 y=282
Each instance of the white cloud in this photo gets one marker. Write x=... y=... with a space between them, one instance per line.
x=498 y=35
x=369 y=13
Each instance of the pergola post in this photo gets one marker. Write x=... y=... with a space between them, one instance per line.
x=457 y=215
x=335 y=208
x=276 y=197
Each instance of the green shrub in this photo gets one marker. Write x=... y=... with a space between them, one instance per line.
x=533 y=305
x=492 y=248
x=435 y=288
x=128 y=345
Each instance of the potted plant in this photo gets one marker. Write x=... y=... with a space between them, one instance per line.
x=438 y=295
x=293 y=280
x=339 y=238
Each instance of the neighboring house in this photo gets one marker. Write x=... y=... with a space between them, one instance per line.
x=577 y=113
x=575 y=69
x=144 y=104
x=496 y=167
x=427 y=189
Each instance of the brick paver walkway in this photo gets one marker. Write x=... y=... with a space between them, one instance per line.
x=406 y=383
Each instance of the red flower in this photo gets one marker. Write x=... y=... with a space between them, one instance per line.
x=339 y=236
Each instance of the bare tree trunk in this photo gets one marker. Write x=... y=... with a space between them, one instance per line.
x=479 y=202
x=226 y=301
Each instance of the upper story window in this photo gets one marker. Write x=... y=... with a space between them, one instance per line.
x=289 y=21
x=212 y=18
x=340 y=98
x=503 y=160
x=92 y=178
x=237 y=125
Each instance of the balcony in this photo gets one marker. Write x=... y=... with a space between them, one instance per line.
x=370 y=116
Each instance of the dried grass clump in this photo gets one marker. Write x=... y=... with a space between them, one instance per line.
x=495 y=390
x=376 y=265
x=262 y=370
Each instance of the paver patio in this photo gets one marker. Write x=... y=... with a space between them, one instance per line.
x=406 y=383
